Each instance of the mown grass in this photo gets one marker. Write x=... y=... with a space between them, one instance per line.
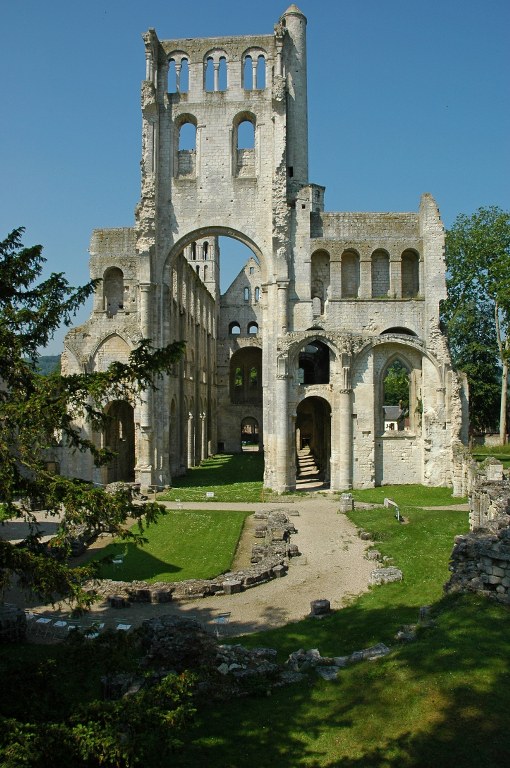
x=499 y=452
x=230 y=477
x=443 y=698
x=183 y=544
x=440 y=701
x=409 y=495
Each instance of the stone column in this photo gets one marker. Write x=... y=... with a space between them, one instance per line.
x=345 y=425
x=203 y=435
x=282 y=427
x=191 y=442
x=144 y=453
x=395 y=277
x=365 y=278
x=283 y=286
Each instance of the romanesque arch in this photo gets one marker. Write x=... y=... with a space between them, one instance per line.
x=119 y=437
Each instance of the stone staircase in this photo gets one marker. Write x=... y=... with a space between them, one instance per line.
x=307 y=468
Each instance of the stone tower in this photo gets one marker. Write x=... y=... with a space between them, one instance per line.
x=296 y=354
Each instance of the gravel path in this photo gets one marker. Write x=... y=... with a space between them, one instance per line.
x=332 y=566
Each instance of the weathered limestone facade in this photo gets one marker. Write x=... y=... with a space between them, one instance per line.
x=296 y=351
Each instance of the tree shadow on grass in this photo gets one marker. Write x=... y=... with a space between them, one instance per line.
x=440 y=701
x=136 y=564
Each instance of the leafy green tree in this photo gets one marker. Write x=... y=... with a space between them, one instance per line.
x=36 y=412
x=478 y=281
x=396 y=385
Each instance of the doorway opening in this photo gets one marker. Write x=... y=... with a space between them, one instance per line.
x=313 y=441
x=119 y=437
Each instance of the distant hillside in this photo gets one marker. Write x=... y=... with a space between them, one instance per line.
x=48 y=364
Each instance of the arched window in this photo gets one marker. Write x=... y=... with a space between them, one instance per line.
x=193 y=251
x=245 y=376
x=187 y=137
x=216 y=76
x=253 y=328
x=261 y=72
x=247 y=73
x=205 y=250
x=198 y=269
x=254 y=71
x=320 y=277
x=246 y=294
x=234 y=328
x=257 y=294
x=244 y=148
x=246 y=135
x=396 y=397
x=113 y=290
x=410 y=274
x=186 y=148
x=178 y=74
x=380 y=274
x=314 y=363
x=350 y=275
x=316 y=306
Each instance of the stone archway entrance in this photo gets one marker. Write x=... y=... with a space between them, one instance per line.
x=119 y=437
x=313 y=439
x=250 y=434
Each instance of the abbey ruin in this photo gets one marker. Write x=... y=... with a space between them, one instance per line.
x=295 y=354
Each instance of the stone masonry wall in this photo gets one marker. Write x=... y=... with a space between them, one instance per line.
x=480 y=561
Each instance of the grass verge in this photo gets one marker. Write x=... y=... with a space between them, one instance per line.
x=184 y=544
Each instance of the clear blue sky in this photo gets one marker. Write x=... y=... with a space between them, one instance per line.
x=405 y=97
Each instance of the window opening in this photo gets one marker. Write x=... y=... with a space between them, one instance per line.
x=246 y=135
x=234 y=329
x=261 y=73
x=247 y=74
x=257 y=294
x=314 y=362
x=253 y=328
x=396 y=386
x=187 y=137
x=246 y=294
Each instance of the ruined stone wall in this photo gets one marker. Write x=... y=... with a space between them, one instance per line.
x=480 y=561
x=365 y=287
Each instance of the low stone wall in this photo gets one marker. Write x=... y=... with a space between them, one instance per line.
x=480 y=561
x=269 y=561
x=164 y=591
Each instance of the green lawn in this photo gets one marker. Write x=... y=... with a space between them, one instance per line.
x=440 y=701
x=448 y=693
x=500 y=452
x=183 y=544
x=236 y=477
x=409 y=495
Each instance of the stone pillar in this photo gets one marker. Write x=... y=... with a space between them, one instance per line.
x=203 y=435
x=282 y=305
x=345 y=424
x=282 y=427
x=191 y=442
x=395 y=277
x=216 y=76
x=365 y=278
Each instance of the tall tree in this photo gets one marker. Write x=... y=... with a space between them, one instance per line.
x=478 y=280
x=37 y=412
